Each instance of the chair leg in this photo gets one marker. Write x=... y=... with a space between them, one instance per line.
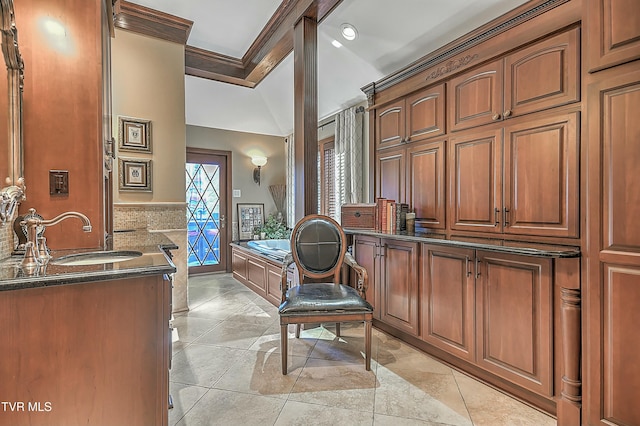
x=298 y=326
x=337 y=329
x=283 y=347
x=367 y=345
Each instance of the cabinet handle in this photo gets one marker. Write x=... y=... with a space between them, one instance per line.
x=407 y=139
x=496 y=117
x=507 y=113
x=477 y=268
x=497 y=219
x=468 y=268
x=506 y=216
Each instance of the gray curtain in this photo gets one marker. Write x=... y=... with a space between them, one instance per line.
x=348 y=161
x=290 y=173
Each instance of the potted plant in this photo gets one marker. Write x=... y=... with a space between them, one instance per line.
x=273 y=229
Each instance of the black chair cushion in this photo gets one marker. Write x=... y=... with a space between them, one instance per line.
x=325 y=298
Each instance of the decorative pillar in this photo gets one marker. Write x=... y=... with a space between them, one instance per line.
x=570 y=402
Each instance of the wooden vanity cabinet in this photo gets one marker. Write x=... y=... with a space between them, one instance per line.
x=537 y=77
x=366 y=252
x=96 y=352
x=521 y=179
x=413 y=118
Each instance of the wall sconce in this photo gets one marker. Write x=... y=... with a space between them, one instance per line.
x=258 y=162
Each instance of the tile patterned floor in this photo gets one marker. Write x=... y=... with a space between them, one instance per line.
x=226 y=371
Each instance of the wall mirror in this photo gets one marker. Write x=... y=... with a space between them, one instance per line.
x=11 y=161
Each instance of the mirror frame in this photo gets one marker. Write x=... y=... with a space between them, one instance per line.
x=13 y=193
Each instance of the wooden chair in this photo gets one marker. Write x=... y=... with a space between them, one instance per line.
x=318 y=248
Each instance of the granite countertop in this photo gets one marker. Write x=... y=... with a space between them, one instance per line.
x=497 y=245
x=153 y=261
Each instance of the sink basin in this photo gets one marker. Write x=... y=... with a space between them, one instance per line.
x=96 y=257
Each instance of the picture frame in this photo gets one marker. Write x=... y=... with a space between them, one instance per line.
x=134 y=134
x=135 y=174
x=249 y=216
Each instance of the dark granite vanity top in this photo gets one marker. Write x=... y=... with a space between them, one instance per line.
x=498 y=245
x=154 y=261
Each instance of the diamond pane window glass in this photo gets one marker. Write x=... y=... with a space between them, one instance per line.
x=203 y=214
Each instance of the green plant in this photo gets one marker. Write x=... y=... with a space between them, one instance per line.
x=274 y=229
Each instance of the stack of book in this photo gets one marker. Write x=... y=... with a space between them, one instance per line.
x=391 y=216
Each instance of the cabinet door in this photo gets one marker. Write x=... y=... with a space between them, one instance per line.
x=514 y=319
x=426 y=183
x=399 y=285
x=239 y=264
x=366 y=254
x=541 y=177
x=425 y=114
x=447 y=295
x=475 y=181
x=274 y=280
x=475 y=98
x=613 y=32
x=542 y=76
x=390 y=126
x=257 y=275
x=390 y=176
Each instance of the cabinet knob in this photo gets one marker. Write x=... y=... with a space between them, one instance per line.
x=496 y=117
x=507 y=113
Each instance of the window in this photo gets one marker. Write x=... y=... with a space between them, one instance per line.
x=326 y=186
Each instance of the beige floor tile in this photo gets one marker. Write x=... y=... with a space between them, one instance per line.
x=202 y=364
x=300 y=413
x=335 y=384
x=220 y=407
x=233 y=334
x=256 y=313
x=406 y=360
x=184 y=398
x=218 y=309
x=382 y=420
x=188 y=329
x=178 y=347
x=270 y=341
x=261 y=373
x=489 y=407
x=427 y=396
x=349 y=346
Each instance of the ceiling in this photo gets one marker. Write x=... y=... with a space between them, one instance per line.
x=390 y=36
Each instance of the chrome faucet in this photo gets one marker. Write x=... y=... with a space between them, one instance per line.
x=35 y=248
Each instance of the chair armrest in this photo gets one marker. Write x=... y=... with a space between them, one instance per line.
x=288 y=260
x=363 y=278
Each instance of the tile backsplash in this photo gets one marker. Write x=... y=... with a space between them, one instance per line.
x=129 y=218
x=6 y=239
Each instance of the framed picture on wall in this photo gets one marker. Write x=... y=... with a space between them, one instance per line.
x=134 y=134
x=135 y=174
x=249 y=217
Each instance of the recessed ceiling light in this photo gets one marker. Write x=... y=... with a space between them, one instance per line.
x=349 y=32
x=336 y=43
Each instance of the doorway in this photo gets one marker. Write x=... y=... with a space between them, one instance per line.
x=208 y=174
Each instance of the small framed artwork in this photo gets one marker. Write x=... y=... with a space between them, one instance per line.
x=249 y=217
x=135 y=174
x=134 y=134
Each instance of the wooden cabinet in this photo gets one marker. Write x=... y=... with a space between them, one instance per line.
x=399 y=284
x=415 y=174
x=541 y=76
x=525 y=183
x=614 y=32
x=447 y=299
x=392 y=267
x=88 y=353
x=514 y=334
x=410 y=119
x=273 y=291
x=256 y=272
x=612 y=287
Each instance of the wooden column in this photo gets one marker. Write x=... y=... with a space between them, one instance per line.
x=305 y=77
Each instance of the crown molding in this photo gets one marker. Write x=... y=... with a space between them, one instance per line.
x=270 y=47
x=151 y=22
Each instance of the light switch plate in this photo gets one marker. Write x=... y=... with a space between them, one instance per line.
x=237 y=193
x=58 y=182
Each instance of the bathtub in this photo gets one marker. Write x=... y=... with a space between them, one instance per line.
x=275 y=248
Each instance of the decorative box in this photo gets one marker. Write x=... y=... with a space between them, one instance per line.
x=359 y=216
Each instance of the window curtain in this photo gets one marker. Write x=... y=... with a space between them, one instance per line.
x=348 y=161
x=290 y=173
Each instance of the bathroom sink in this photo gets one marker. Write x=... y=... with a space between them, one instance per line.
x=96 y=257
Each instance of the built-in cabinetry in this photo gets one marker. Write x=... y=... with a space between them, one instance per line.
x=611 y=285
x=260 y=273
x=87 y=353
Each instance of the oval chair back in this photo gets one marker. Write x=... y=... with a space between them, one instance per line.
x=318 y=246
